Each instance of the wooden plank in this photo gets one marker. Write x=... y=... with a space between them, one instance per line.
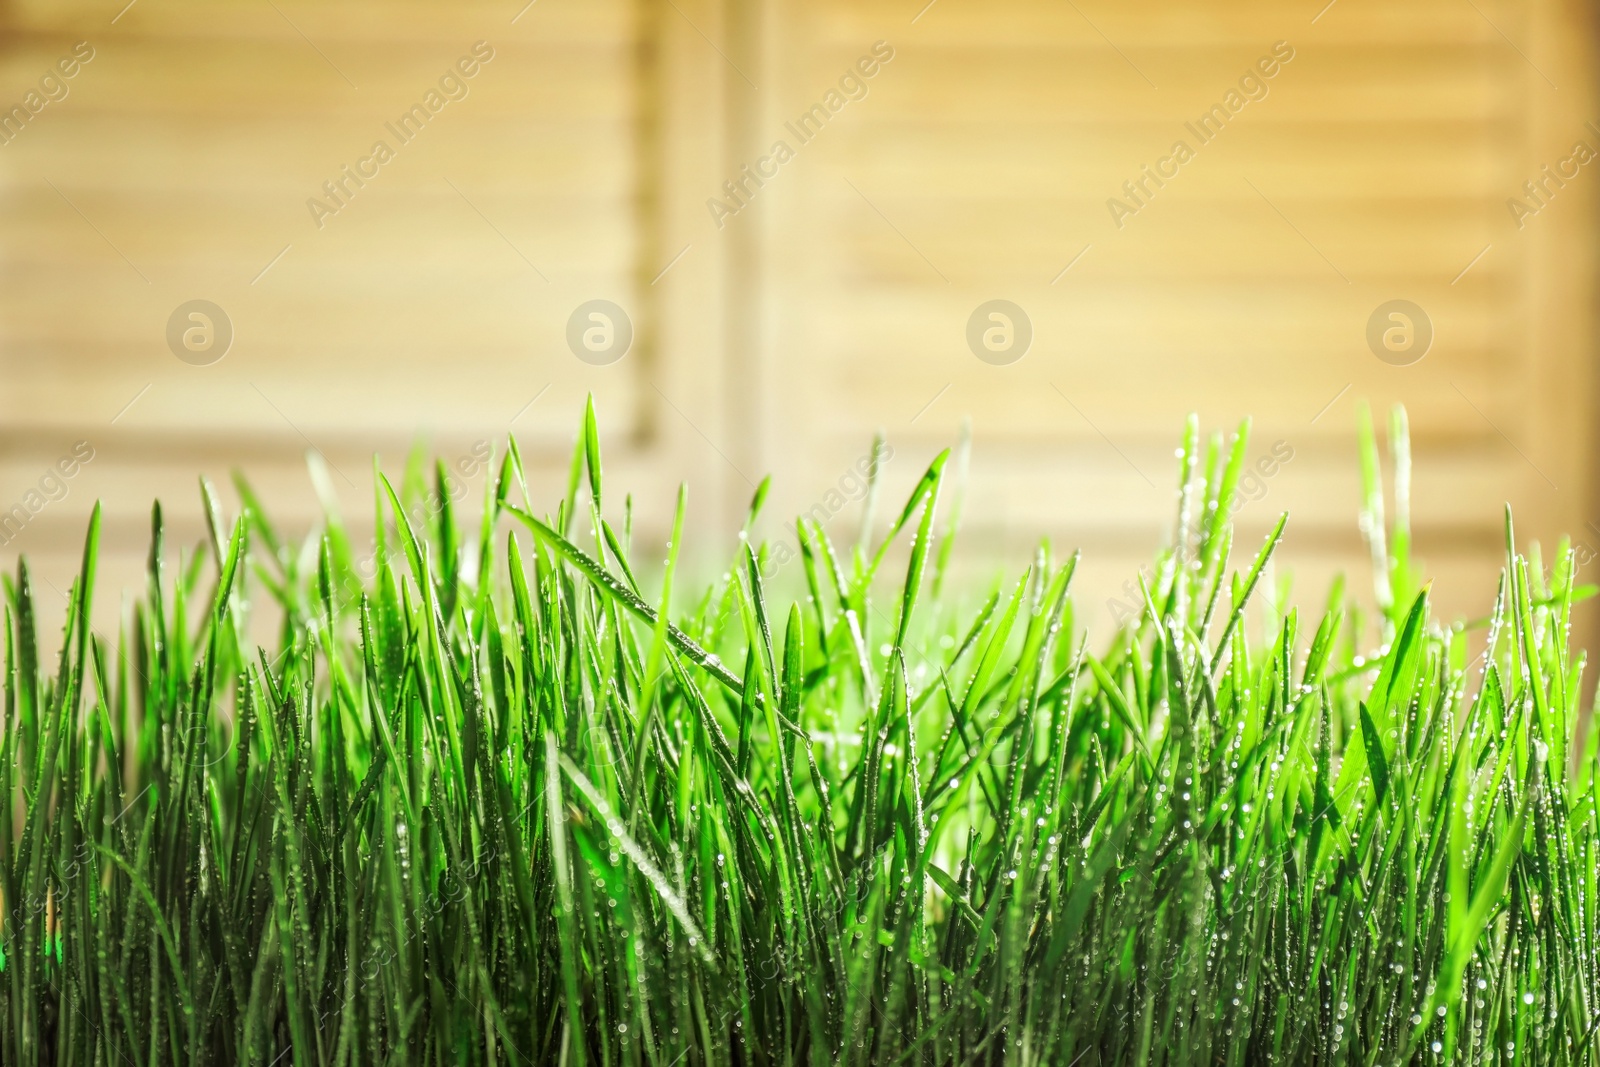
x=1174 y=25
x=410 y=21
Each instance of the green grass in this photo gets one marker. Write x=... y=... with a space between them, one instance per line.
x=491 y=807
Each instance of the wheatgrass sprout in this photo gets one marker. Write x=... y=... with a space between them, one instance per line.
x=491 y=798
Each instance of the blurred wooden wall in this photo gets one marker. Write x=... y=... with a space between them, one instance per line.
x=433 y=305
x=778 y=331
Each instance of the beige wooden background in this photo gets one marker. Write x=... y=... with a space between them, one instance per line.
x=977 y=165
